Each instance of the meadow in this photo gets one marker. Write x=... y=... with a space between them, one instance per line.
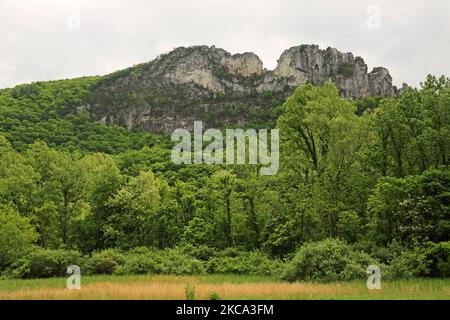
x=222 y=286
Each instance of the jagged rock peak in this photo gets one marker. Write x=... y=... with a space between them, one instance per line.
x=243 y=64
x=220 y=88
x=308 y=63
x=207 y=66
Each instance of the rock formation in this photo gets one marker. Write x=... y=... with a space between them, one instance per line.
x=210 y=84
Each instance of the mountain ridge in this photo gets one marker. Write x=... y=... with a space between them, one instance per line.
x=224 y=89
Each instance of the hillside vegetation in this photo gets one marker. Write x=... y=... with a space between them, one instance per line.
x=360 y=182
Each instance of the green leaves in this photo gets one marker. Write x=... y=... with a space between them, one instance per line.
x=16 y=236
x=132 y=211
x=411 y=210
x=373 y=176
x=413 y=131
x=327 y=260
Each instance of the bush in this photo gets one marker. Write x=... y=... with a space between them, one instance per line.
x=169 y=261
x=190 y=261
x=189 y=292
x=106 y=261
x=252 y=263
x=409 y=264
x=138 y=261
x=45 y=263
x=386 y=254
x=214 y=296
x=430 y=260
x=328 y=260
x=438 y=256
x=200 y=252
x=173 y=261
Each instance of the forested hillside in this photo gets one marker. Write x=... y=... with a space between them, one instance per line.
x=361 y=182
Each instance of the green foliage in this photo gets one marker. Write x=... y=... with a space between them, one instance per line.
x=328 y=260
x=105 y=261
x=411 y=210
x=54 y=112
x=346 y=69
x=189 y=292
x=175 y=262
x=409 y=264
x=439 y=256
x=169 y=261
x=138 y=261
x=16 y=236
x=214 y=296
x=412 y=131
x=372 y=172
x=430 y=260
x=42 y=263
x=367 y=104
x=323 y=146
x=219 y=72
x=252 y=263
x=132 y=211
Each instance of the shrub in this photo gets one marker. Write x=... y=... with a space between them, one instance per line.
x=439 y=257
x=45 y=263
x=386 y=254
x=200 y=252
x=214 y=296
x=409 y=264
x=173 y=261
x=252 y=263
x=138 y=261
x=432 y=260
x=169 y=261
x=328 y=260
x=346 y=69
x=189 y=292
x=189 y=260
x=106 y=261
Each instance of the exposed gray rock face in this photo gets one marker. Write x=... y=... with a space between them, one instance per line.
x=210 y=84
x=246 y=64
x=380 y=83
x=308 y=63
x=208 y=67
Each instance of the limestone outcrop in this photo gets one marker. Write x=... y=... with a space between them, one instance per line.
x=210 y=84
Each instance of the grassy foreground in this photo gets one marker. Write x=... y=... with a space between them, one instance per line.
x=227 y=286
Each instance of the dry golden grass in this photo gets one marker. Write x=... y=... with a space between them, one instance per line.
x=161 y=290
x=166 y=287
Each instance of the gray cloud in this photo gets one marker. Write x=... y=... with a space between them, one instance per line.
x=40 y=39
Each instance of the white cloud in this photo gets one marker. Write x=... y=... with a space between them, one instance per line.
x=37 y=44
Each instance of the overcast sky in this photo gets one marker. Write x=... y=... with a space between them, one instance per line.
x=58 y=39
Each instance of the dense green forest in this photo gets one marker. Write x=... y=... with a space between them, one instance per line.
x=360 y=182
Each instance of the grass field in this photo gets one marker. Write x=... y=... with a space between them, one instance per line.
x=227 y=286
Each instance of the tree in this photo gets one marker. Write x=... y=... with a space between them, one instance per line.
x=101 y=180
x=133 y=209
x=411 y=210
x=59 y=185
x=17 y=236
x=322 y=142
x=321 y=129
x=412 y=131
x=222 y=185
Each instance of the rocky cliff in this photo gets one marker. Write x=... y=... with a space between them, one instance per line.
x=210 y=84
